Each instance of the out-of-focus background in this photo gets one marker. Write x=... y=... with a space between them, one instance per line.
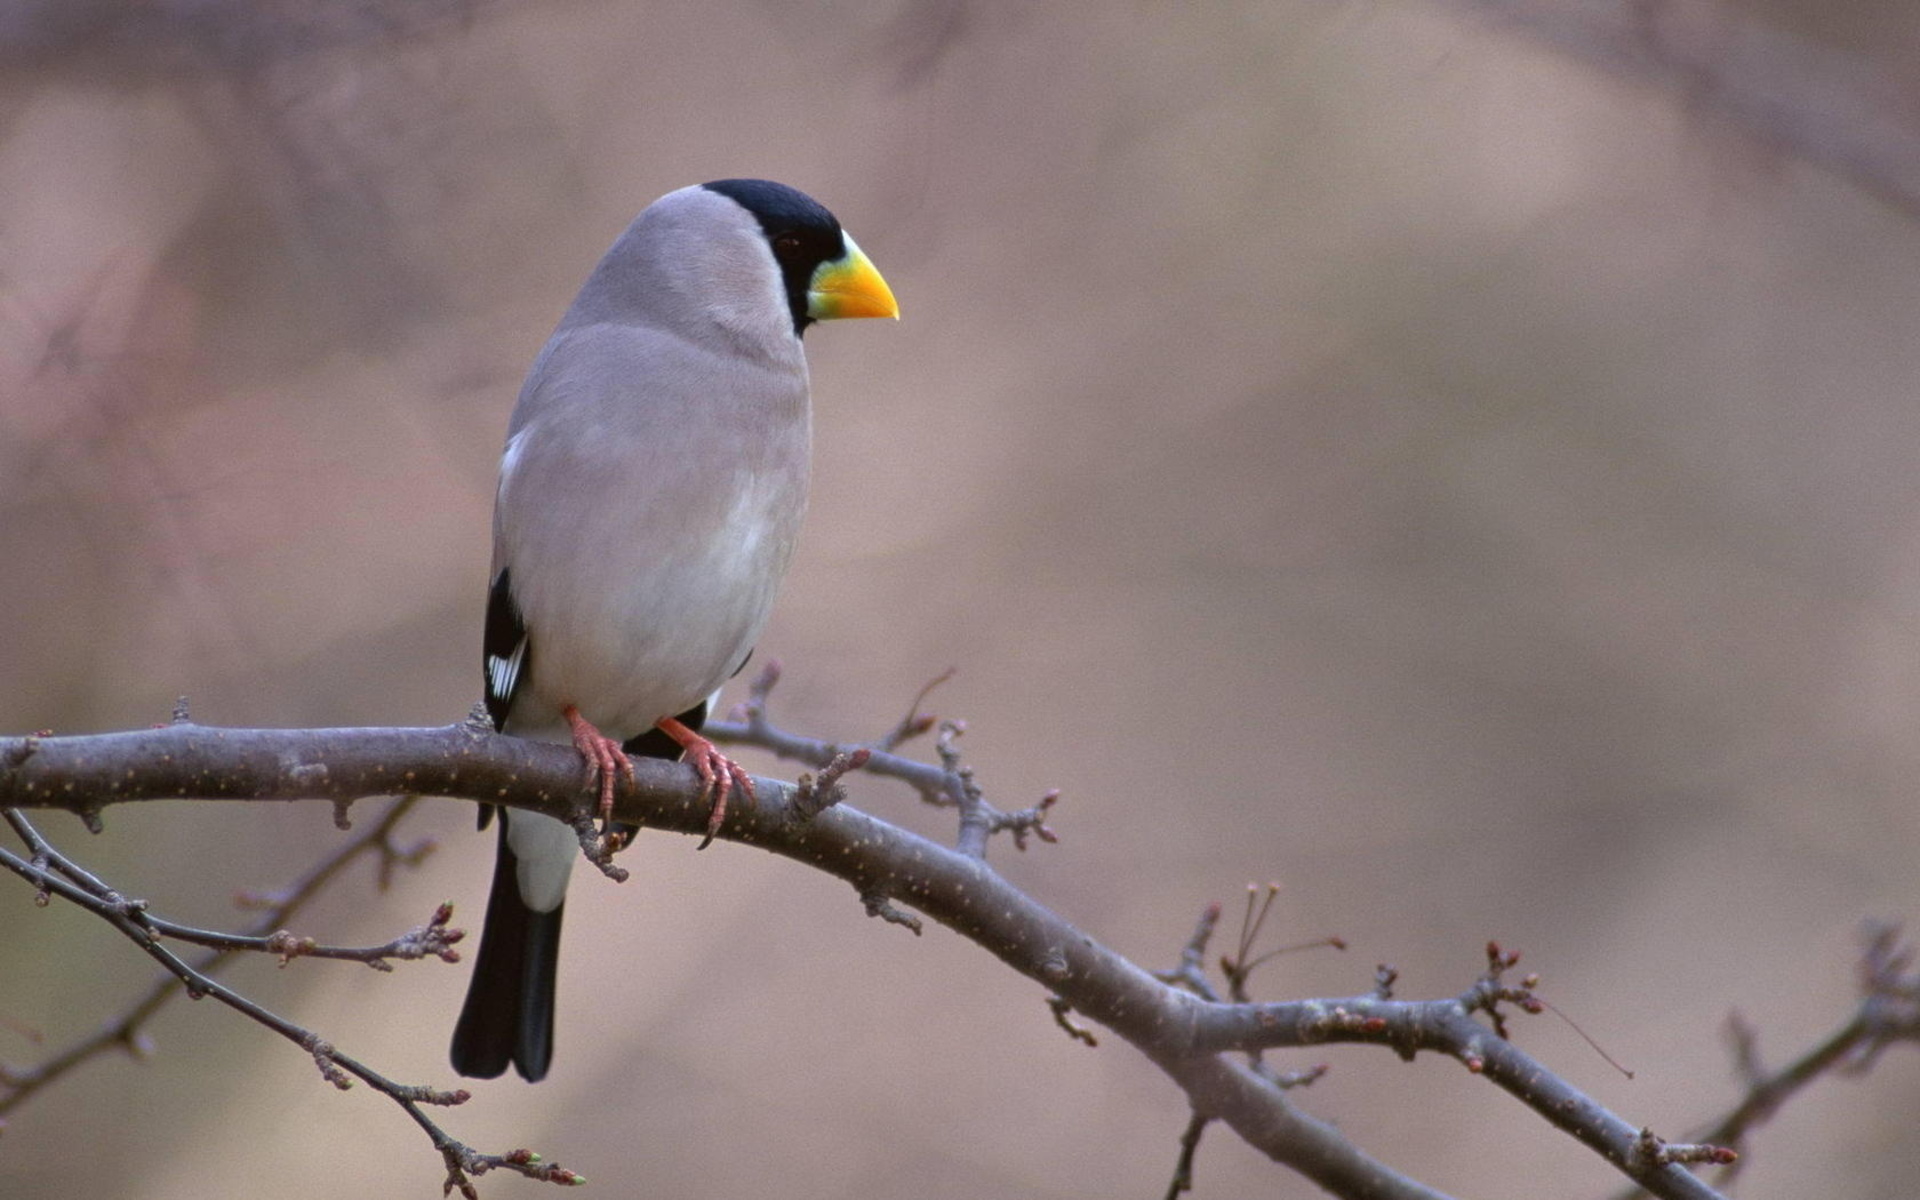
x=1352 y=445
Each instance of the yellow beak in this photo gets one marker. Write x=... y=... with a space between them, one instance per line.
x=850 y=287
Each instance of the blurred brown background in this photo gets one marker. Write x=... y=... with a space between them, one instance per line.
x=1341 y=444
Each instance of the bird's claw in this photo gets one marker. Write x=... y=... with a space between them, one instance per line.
x=719 y=776
x=605 y=760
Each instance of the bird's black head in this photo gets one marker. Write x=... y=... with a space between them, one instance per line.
x=802 y=233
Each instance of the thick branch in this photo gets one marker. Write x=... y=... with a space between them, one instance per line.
x=1177 y=1030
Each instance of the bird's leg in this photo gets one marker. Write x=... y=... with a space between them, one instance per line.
x=718 y=773
x=605 y=760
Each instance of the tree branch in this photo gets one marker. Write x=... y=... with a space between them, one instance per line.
x=1187 y=1036
x=123 y=1032
x=53 y=873
x=1889 y=1012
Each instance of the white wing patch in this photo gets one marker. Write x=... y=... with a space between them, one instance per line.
x=503 y=673
x=510 y=459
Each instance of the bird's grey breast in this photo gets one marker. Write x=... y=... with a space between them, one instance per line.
x=649 y=504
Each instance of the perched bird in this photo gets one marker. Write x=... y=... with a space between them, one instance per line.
x=652 y=487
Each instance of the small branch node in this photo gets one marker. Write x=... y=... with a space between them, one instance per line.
x=478 y=722
x=1191 y=974
x=427 y=1095
x=181 y=713
x=813 y=794
x=1385 y=975
x=947 y=745
x=596 y=849
x=42 y=860
x=1651 y=1153
x=130 y=907
x=457 y=1181
x=288 y=947
x=878 y=905
x=1062 y=1018
x=1028 y=820
x=760 y=691
x=432 y=940
x=1489 y=991
x=323 y=1058
x=22 y=749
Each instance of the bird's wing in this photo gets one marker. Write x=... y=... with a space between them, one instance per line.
x=505 y=649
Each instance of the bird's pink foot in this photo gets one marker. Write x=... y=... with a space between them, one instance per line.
x=604 y=757
x=719 y=775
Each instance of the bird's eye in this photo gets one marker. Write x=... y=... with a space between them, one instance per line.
x=786 y=243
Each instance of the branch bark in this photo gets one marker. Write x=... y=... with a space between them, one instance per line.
x=1188 y=1037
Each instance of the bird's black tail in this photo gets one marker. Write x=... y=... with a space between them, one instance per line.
x=508 y=1017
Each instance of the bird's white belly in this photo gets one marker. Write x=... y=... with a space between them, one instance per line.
x=634 y=666
x=665 y=618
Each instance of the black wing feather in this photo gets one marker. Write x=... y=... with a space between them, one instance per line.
x=506 y=658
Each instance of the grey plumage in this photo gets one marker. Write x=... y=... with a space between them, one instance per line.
x=650 y=496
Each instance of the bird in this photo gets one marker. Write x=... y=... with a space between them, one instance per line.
x=650 y=494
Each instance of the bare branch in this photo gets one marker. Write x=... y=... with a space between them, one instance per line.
x=123 y=1032
x=1188 y=1037
x=130 y=919
x=432 y=940
x=948 y=785
x=1182 y=1180
x=1192 y=971
x=1889 y=1013
x=1448 y=1027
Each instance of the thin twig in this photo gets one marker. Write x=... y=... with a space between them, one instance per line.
x=1888 y=1014
x=1182 y=1180
x=123 y=1032
x=82 y=889
x=949 y=784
